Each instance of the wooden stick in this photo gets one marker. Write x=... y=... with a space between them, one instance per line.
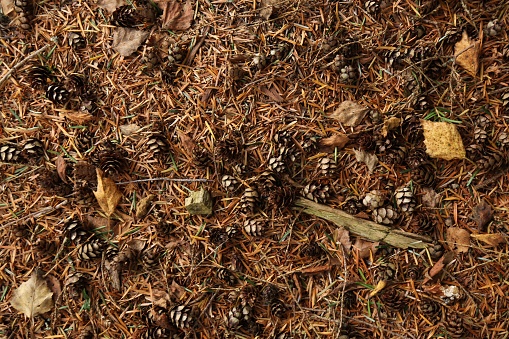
x=365 y=228
x=21 y=63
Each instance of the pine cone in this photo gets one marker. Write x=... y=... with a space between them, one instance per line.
x=259 y=62
x=202 y=158
x=24 y=8
x=9 y=153
x=503 y=140
x=150 y=256
x=416 y=157
x=77 y=281
x=248 y=201
x=218 y=236
x=228 y=148
x=276 y=164
x=51 y=182
x=454 y=325
x=372 y=7
x=38 y=76
x=413 y=273
x=317 y=192
x=46 y=247
x=111 y=159
x=395 y=156
x=405 y=199
x=348 y=74
x=76 y=40
x=33 y=149
x=91 y=249
x=492 y=160
x=156 y=332
x=229 y=183
x=158 y=146
x=227 y=276
x=176 y=53
x=57 y=94
x=352 y=206
x=326 y=166
x=480 y=135
x=266 y=182
x=254 y=227
x=338 y=63
x=385 y=215
x=423 y=223
x=180 y=316
x=75 y=83
x=277 y=308
x=75 y=232
x=84 y=140
x=412 y=129
x=493 y=28
x=269 y=294
x=397 y=58
x=393 y=299
x=431 y=310
x=279 y=53
x=366 y=142
x=373 y=199
x=424 y=175
x=309 y=144
x=313 y=250
x=126 y=16
x=505 y=98
x=386 y=271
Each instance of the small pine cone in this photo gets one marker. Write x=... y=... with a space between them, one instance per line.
x=84 y=140
x=24 y=9
x=248 y=201
x=253 y=227
x=228 y=148
x=202 y=158
x=269 y=294
x=317 y=192
x=33 y=149
x=259 y=62
x=348 y=74
x=77 y=282
x=349 y=300
x=279 y=53
x=375 y=116
x=454 y=325
x=150 y=256
x=395 y=156
x=229 y=183
x=168 y=74
x=393 y=299
x=372 y=7
x=352 y=206
x=157 y=145
x=338 y=63
x=431 y=310
x=276 y=164
x=386 y=272
x=57 y=94
x=412 y=129
x=366 y=142
x=480 y=135
x=505 y=98
x=313 y=250
x=10 y=153
x=85 y=174
x=38 y=76
x=492 y=160
x=156 y=332
x=46 y=247
x=239 y=316
x=413 y=273
x=111 y=253
x=423 y=223
x=266 y=182
x=218 y=236
x=416 y=157
x=397 y=58
x=277 y=308
x=503 y=140
x=422 y=103
x=227 y=276
x=424 y=175
x=176 y=53
x=180 y=316
x=76 y=40
x=125 y=16
x=280 y=197
x=493 y=28
x=51 y=182
x=373 y=199
x=326 y=166
x=75 y=232
x=111 y=159
x=23 y=231
x=405 y=199
x=75 y=83
x=309 y=144
x=91 y=249
x=413 y=84
x=385 y=215
x=151 y=57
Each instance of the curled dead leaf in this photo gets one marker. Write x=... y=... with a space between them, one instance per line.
x=482 y=215
x=380 y=286
x=342 y=236
x=390 y=124
x=349 y=113
x=458 y=239
x=364 y=247
x=108 y=195
x=442 y=140
x=61 y=168
x=144 y=205
x=466 y=52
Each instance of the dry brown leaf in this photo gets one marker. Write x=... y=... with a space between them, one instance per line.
x=371 y=160
x=7 y=6
x=338 y=140
x=176 y=16
x=129 y=129
x=267 y=8
x=364 y=247
x=390 y=124
x=108 y=195
x=342 y=236
x=61 y=168
x=466 y=52
x=442 y=140
x=127 y=40
x=349 y=113
x=272 y=93
x=78 y=117
x=439 y=266
x=159 y=298
x=186 y=141
x=430 y=198
x=493 y=239
x=458 y=239
x=103 y=224
x=33 y=297
x=177 y=291
x=482 y=215
x=54 y=286
x=110 y=5
x=144 y=205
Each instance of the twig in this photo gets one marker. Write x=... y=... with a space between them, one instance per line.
x=21 y=63
x=196 y=47
x=164 y=179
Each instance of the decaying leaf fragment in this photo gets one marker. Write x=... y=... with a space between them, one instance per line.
x=371 y=160
x=267 y=8
x=110 y=5
x=108 y=195
x=482 y=215
x=365 y=248
x=349 y=113
x=458 y=239
x=144 y=205
x=493 y=239
x=127 y=40
x=342 y=236
x=390 y=124
x=33 y=297
x=61 y=168
x=338 y=140
x=466 y=52
x=442 y=140
x=175 y=16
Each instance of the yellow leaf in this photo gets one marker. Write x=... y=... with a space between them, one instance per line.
x=108 y=196
x=380 y=286
x=33 y=297
x=466 y=52
x=390 y=124
x=442 y=140
x=494 y=239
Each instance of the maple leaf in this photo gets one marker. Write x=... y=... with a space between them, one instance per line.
x=108 y=196
x=176 y=16
x=466 y=52
x=33 y=297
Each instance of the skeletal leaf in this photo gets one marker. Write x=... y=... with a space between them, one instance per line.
x=371 y=160
x=108 y=196
x=176 y=16
x=442 y=140
x=349 y=113
x=127 y=40
x=459 y=239
x=466 y=52
x=33 y=297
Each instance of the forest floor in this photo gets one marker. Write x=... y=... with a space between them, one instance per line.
x=113 y=112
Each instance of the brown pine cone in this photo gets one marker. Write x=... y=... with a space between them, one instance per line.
x=373 y=199
x=454 y=325
x=229 y=182
x=254 y=227
x=393 y=299
x=405 y=199
x=327 y=166
x=385 y=215
x=492 y=160
x=277 y=308
x=227 y=276
x=424 y=175
x=317 y=192
x=91 y=249
x=352 y=205
x=416 y=157
x=10 y=153
x=431 y=310
x=248 y=201
x=38 y=76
